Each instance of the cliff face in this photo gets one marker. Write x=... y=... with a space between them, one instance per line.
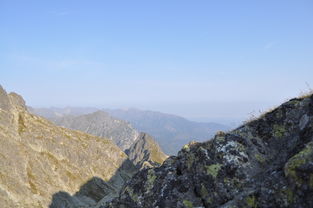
x=266 y=163
x=39 y=159
x=145 y=152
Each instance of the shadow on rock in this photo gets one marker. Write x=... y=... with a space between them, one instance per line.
x=95 y=191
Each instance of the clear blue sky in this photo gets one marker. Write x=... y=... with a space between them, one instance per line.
x=204 y=59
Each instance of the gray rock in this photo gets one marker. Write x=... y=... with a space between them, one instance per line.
x=264 y=163
x=145 y=152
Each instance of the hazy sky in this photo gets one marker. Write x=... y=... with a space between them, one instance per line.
x=208 y=59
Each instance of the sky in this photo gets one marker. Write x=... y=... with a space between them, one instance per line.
x=205 y=60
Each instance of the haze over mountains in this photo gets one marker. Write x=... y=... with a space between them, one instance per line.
x=170 y=131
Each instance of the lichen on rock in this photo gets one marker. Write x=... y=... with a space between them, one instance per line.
x=266 y=162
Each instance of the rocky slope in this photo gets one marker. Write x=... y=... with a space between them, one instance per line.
x=145 y=152
x=101 y=124
x=267 y=162
x=44 y=165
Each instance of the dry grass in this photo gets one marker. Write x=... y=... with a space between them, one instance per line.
x=307 y=92
x=261 y=113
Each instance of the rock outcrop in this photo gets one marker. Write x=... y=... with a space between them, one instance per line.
x=44 y=165
x=267 y=162
x=145 y=152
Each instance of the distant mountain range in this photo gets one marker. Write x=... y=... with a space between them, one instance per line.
x=170 y=131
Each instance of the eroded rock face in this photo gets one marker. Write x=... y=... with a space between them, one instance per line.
x=266 y=163
x=145 y=152
x=43 y=165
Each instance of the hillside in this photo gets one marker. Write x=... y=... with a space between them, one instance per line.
x=267 y=162
x=42 y=164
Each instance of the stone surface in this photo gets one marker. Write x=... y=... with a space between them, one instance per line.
x=145 y=152
x=267 y=162
x=44 y=165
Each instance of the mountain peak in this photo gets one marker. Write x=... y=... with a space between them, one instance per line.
x=17 y=100
x=145 y=152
